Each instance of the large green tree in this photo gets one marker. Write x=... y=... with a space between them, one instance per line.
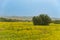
x=42 y=19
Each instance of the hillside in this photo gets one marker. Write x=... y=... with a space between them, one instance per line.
x=23 y=18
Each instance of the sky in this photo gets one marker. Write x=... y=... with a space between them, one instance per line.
x=30 y=7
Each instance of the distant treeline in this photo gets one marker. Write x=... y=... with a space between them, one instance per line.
x=12 y=20
x=56 y=21
x=15 y=20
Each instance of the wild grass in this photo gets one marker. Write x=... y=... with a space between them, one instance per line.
x=27 y=31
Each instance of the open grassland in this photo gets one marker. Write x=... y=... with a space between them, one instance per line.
x=27 y=31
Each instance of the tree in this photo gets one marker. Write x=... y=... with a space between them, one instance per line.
x=42 y=19
x=35 y=20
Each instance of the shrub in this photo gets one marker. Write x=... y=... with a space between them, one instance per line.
x=42 y=19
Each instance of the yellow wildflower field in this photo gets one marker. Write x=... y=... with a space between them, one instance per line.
x=27 y=31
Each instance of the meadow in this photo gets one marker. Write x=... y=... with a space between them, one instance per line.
x=27 y=31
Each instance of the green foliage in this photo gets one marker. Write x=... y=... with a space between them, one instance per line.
x=42 y=19
x=7 y=20
x=12 y=20
x=35 y=20
x=3 y=19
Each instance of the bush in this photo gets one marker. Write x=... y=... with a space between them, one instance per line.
x=42 y=19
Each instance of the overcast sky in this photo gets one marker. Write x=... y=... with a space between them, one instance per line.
x=29 y=7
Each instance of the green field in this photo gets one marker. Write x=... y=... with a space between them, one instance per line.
x=27 y=31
